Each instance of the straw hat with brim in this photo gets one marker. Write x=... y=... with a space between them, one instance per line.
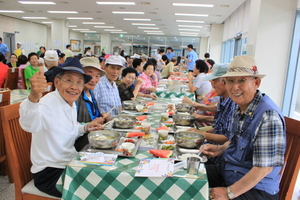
x=114 y=60
x=72 y=64
x=92 y=62
x=243 y=66
x=219 y=70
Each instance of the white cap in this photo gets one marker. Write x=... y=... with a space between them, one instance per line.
x=51 y=55
x=135 y=56
x=18 y=42
x=92 y=62
x=114 y=60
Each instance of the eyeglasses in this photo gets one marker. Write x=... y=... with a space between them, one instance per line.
x=238 y=81
x=69 y=82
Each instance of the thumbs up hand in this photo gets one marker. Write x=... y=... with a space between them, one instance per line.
x=38 y=86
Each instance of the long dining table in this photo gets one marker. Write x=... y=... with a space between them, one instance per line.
x=86 y=181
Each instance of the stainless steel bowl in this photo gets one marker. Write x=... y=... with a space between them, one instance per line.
x=124 y=121
x=130 y=105
x=183 y=107
x=103 y=139
x=189 y=139
x=184 y=120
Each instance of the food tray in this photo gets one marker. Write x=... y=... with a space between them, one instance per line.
x=114 y=150
x=146 y=110
x=136 y=128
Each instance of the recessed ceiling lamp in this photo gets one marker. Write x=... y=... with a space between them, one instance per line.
x=62 y=12
x=104 y=26
x=134 y=13
x=189 y=21
x=136 y=19
x=143 y=24
x=193 y=15
x=11 y=11
x=34 y=17
x=93 y=22
x=37 y=2
x=189 y=26
x=72 y=26
x=79 y=18
x=80 y=29
x=88 y=31
x=183 y=29
x=188 y=33
x=193 y=5
x=114 y=3
x=148 y=28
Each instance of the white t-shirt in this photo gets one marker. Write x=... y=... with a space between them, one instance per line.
x=203 y=87
x=54 y=127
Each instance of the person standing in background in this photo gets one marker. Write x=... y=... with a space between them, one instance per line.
x=170 y=53
x=190 y=58
x=19 y=51
x=68 y=53
x=4 y=50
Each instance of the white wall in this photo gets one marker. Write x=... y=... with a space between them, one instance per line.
x=77 y=36
x=215 y=46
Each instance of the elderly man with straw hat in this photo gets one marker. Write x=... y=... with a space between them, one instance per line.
x=254 y=155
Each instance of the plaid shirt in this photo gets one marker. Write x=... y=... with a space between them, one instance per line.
x=107 y=96
x=269 y=138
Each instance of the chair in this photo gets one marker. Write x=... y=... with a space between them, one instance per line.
x=18 y=150
x=3 y=158
x=11 y=80
x=23 y=79
x=292 y=159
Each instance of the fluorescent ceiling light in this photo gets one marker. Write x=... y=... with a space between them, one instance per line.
x=136 y=19
x=193 y=5
x=183 y=29
x=11 y=11
x=37 y=2
x=148 y=28
x=188 y=33
x=189 y=26
x=72 y=26
x=93 y=22
x=80 y=29
x=114 y=3
x=134 y=13
x=153 y=31
x=118 y=32
x=47 y=22
x=88 y=31
x=104 y=26
x=66 y=12
x=34 y=17
x=189 y=21
x=187 y=14
x=112 y=30
x=143 y=24
x=79 y=18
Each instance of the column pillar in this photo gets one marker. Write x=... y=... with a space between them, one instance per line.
x=216 y=41
x=203 y=48
x=59 y=34
x=106 y=43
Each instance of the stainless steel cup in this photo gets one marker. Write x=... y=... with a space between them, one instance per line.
x=193 y=164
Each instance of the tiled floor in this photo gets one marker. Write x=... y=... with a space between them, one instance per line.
x=7 y=190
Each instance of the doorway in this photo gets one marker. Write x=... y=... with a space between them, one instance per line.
x=9 y=40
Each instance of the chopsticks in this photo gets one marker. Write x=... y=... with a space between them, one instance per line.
x=111 y=109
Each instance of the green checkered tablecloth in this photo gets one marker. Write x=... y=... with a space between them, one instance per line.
x=80 y=181
x=167 y=94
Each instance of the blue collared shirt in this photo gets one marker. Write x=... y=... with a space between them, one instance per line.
x=170 y=55
x=3 y=48
x=107 y=96
x=192 y=56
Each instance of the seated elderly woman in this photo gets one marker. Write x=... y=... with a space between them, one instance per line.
x=87 y=108
x=199 y=86
x=127 y=89
x=149 y=78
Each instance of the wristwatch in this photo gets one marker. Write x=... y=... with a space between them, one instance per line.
x=229 y=193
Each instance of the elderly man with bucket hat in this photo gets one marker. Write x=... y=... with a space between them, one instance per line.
x=106 y=91
x=87 y=107
x=252 y=159
x=52 y=120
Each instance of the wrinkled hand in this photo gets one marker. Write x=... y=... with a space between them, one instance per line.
x=38 y=85
x=218 y=193
x=193 y=130
x=187 y=100
x=139 y=81
x=99 y=120
x=198 y=117
x=106 y=117
x=93 y=126
x=153 y=96
x=211 y=150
